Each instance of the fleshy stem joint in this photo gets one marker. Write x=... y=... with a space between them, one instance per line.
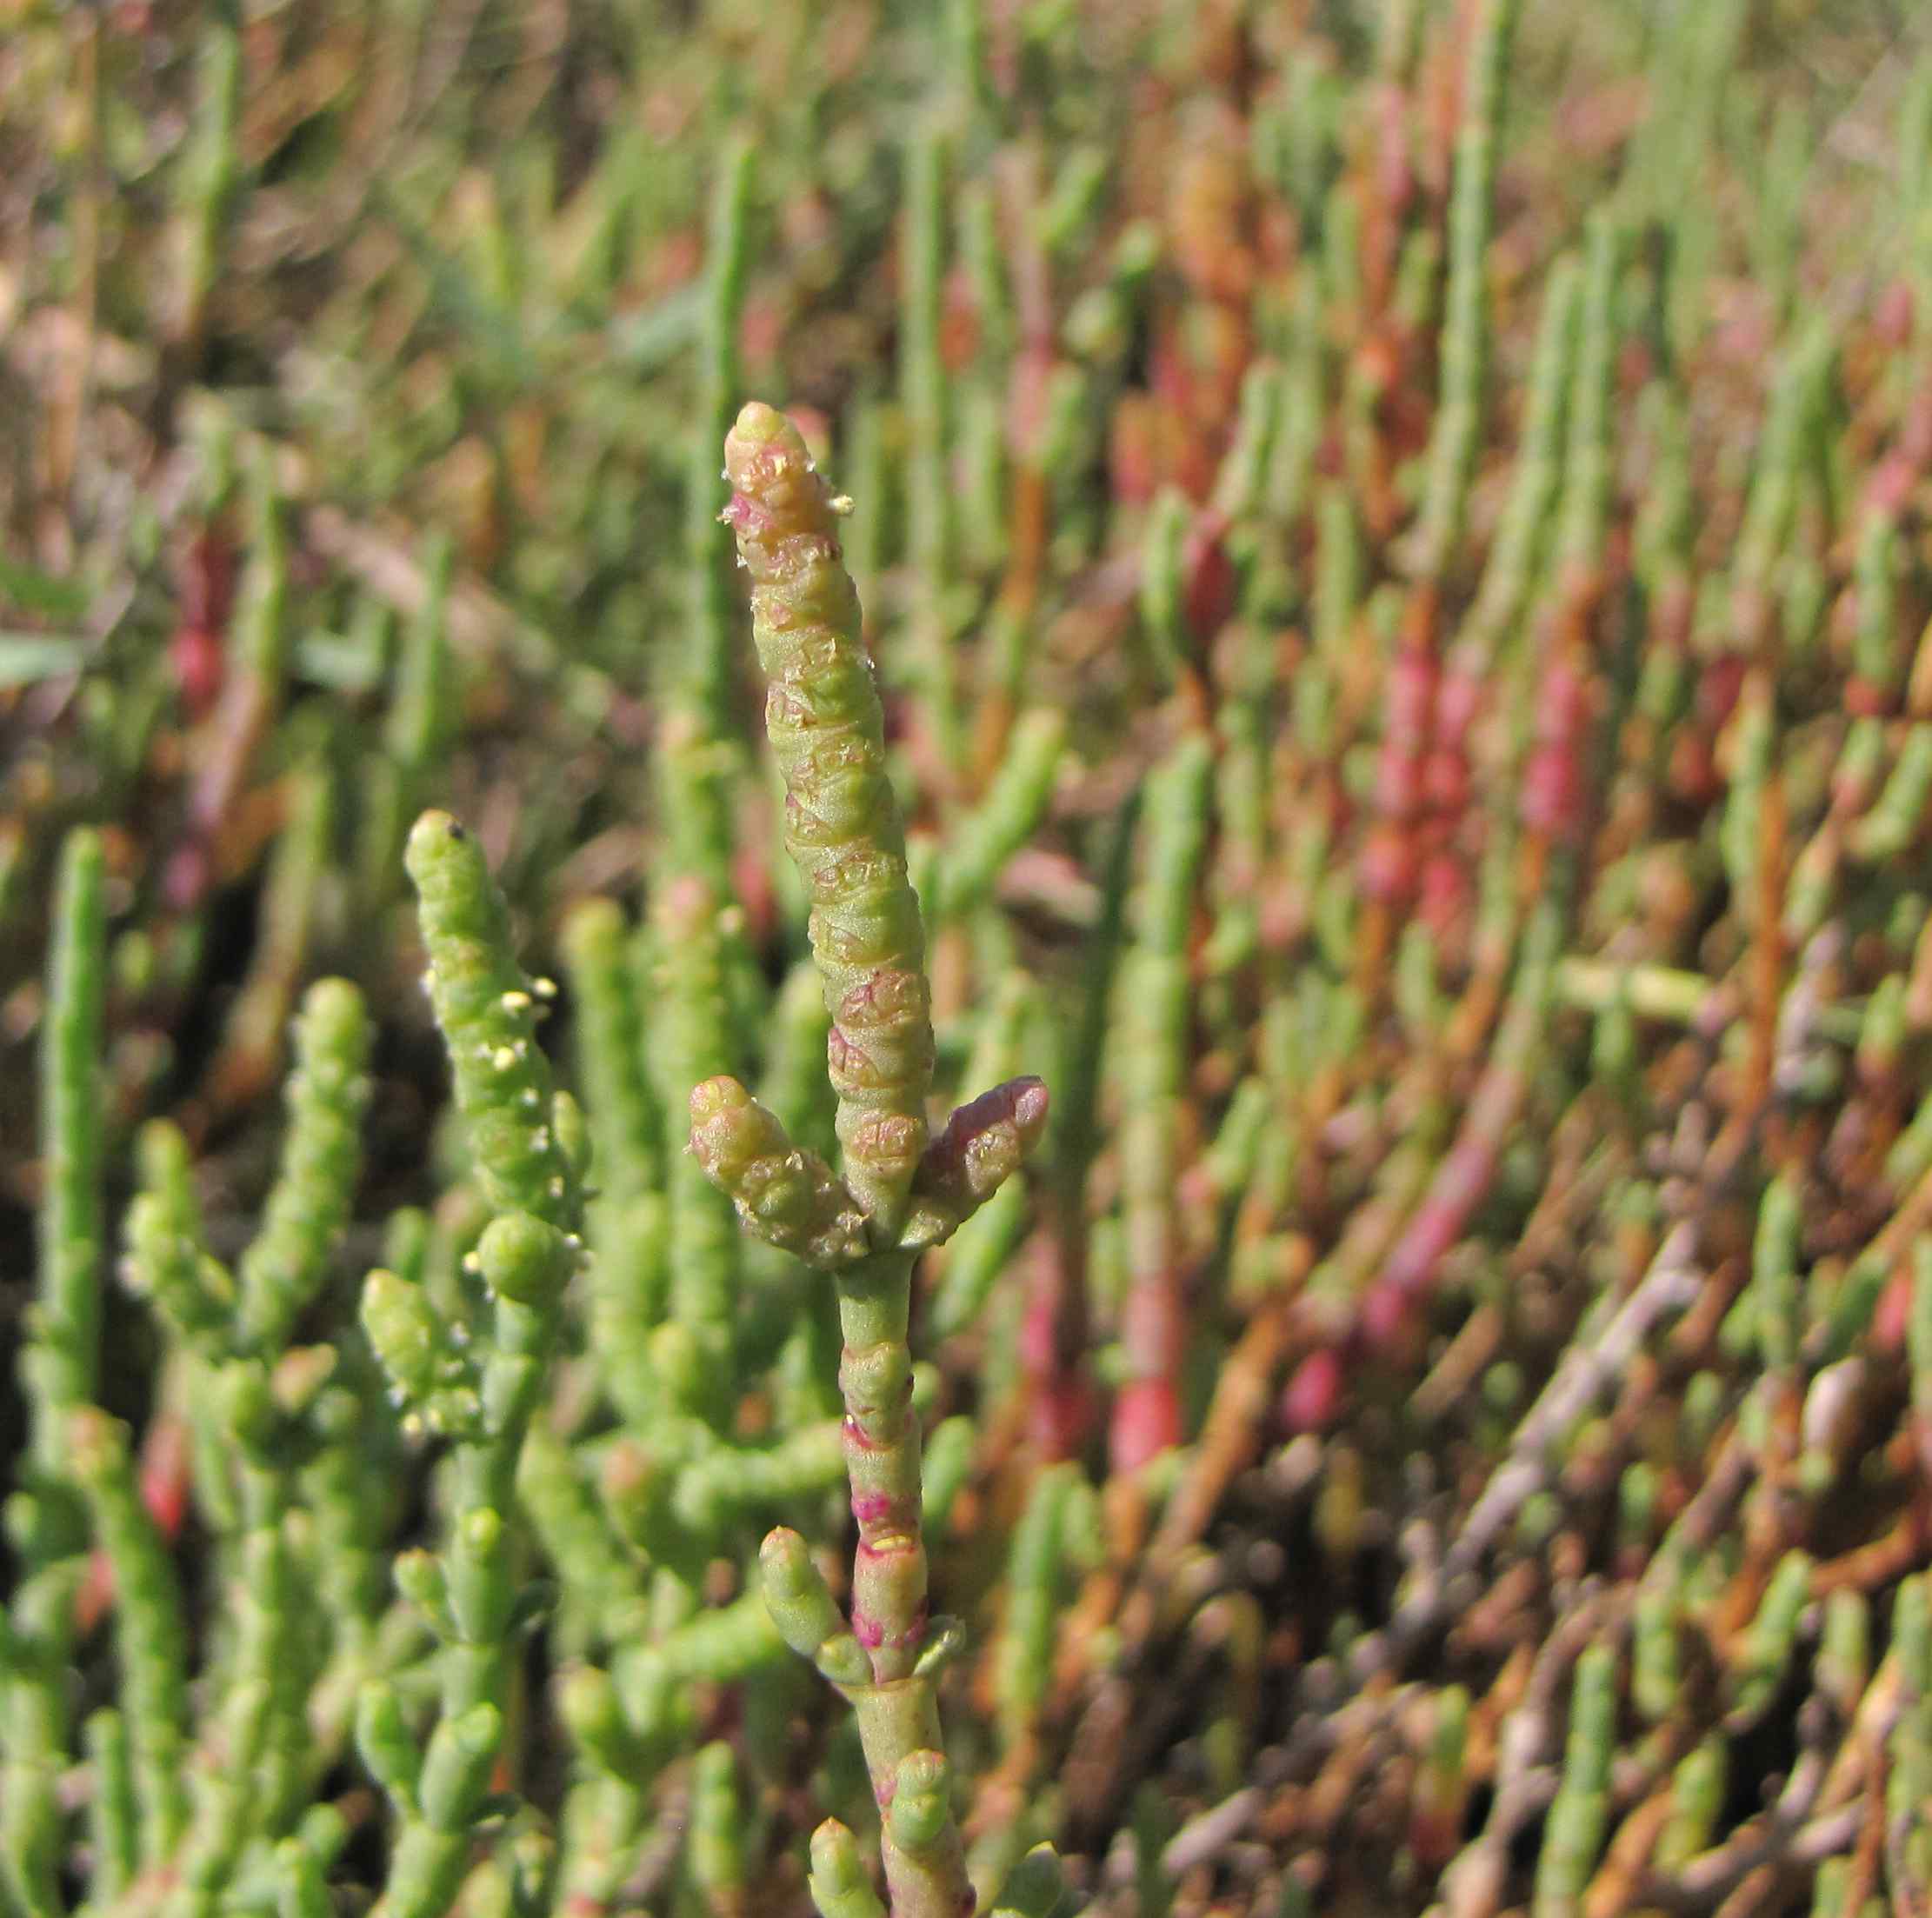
x=900 y=1192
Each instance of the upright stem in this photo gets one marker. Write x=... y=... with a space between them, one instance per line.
x=59 y=1369
x=900 y=1191
x=842 y=822
x=882 y=1458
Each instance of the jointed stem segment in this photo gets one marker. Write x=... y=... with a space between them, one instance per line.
x=525 y=1143
x=842 y=822
x=899 y=1192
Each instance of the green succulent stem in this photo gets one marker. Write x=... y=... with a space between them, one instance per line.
x=899 y=1192
x=842 y=822
x=60 y=1369
x=528 y=1146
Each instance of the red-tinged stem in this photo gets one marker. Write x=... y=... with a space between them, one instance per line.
x=1463 y=1179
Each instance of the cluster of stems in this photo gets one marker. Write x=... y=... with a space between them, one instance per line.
x=1404 y=689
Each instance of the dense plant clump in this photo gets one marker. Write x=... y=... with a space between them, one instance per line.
x=1343 y=606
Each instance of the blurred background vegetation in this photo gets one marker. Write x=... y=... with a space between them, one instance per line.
x=362 y=370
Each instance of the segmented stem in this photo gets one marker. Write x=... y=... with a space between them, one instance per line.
x=841 y=822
